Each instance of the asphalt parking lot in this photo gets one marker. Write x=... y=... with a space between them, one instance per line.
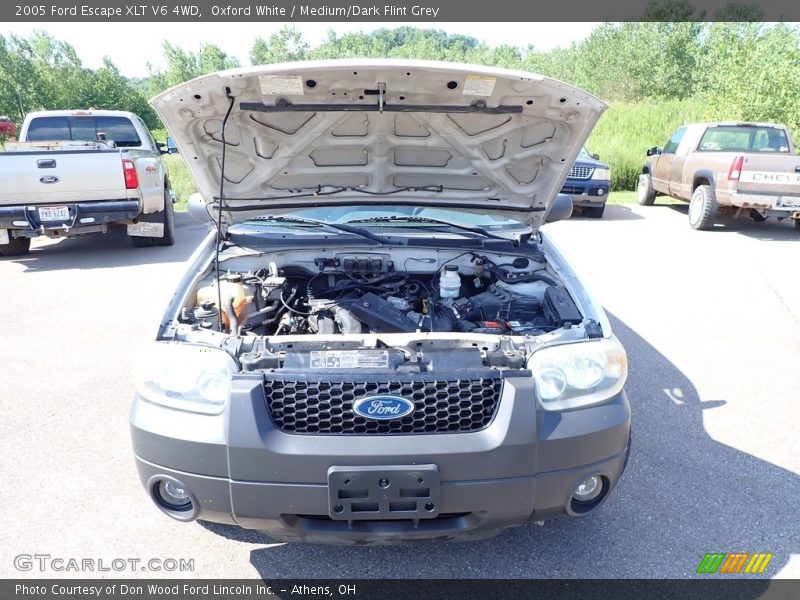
x=711 y=322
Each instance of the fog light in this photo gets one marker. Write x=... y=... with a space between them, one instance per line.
x=174 y=495
x=588 y=489
x=600 y=192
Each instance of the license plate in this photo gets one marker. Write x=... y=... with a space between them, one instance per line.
x=54 y=213
x=383 y=492
x=145 y=229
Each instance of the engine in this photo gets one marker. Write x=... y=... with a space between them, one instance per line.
x=355 y=295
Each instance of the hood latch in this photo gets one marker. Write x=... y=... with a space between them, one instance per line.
x=381 y=94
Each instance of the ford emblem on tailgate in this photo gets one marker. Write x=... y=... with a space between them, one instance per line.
x=49 y=179
x=383 y=407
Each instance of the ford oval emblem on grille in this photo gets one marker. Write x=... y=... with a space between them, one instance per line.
x=383 y=408
x=49 y=179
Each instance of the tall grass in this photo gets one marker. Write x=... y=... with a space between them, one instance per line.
x=627 y=130
x=181 y=180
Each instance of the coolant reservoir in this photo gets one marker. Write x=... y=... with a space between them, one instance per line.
x=450 y=282
x=233 y=289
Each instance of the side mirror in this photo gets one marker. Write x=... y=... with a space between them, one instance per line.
x=560 y=209
x=196 y=206
x=653 y=150
x=596 y=156
x=171 y=147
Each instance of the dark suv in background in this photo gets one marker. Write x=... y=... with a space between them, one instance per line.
x=588 y=184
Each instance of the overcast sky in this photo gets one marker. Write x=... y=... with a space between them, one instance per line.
x=132 y=45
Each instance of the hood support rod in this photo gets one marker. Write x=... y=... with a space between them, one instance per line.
x=219 y=206
x=284 y=106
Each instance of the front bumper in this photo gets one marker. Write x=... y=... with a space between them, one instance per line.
x=241 y=470
x=82 y=215
x=587 y=192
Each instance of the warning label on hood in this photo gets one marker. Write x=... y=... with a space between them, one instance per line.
x=350 y=359
x=476 y=85
x=273 y=85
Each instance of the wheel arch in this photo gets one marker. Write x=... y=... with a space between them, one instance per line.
x=702 y=177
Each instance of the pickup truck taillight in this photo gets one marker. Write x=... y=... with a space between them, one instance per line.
x=736 y=168
x=129 y=171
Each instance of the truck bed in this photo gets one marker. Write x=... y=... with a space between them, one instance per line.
x=66 y=173
x=768 y=173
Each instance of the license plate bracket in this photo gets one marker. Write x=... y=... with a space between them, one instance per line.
x=383 y=492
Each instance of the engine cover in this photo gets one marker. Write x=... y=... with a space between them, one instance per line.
x=380 y=316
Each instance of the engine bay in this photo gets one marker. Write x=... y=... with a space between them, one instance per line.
x=377 y=292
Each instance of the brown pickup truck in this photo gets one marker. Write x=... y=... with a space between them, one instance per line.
x=734 y=168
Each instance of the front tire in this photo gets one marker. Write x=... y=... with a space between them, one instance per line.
x=165 y=217
x=16 y=247
x=645 y=192
x=702 y=208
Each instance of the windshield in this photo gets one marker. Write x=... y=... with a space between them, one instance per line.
x=346 y=214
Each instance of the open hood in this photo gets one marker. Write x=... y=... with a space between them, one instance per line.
x=347 y=132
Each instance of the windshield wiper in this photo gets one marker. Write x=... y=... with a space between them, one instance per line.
x=415 y=219
x=338 y=226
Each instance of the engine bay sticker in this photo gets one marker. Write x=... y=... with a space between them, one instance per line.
x=274 y=85
x=477 y=85
x=350 y=359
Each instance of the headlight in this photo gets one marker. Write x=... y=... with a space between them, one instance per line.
x=185 y=376
x=604 y=174
x=579 y=374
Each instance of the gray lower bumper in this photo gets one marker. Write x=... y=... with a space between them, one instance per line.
x=241 y=470
x=584 y=200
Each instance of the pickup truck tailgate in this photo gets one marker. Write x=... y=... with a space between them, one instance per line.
x=770 y=174
x=61 y=176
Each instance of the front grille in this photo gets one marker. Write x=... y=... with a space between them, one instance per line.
x=326 y=407
x=573 y=190
x=580 y=172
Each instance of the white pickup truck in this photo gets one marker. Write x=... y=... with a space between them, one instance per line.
x=83 y=171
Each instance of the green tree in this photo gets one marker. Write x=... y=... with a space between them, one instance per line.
x=183 y=65
x=286 y=45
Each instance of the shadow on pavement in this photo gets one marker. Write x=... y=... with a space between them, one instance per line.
x=113 y=249
x=613 y=212
x=769 y=230
x=683 y=495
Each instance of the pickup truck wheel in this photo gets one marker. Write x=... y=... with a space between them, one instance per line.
x=702 y=208
x=16 y=247
x=594 y=212
x=645 y=193
x=167 y=218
